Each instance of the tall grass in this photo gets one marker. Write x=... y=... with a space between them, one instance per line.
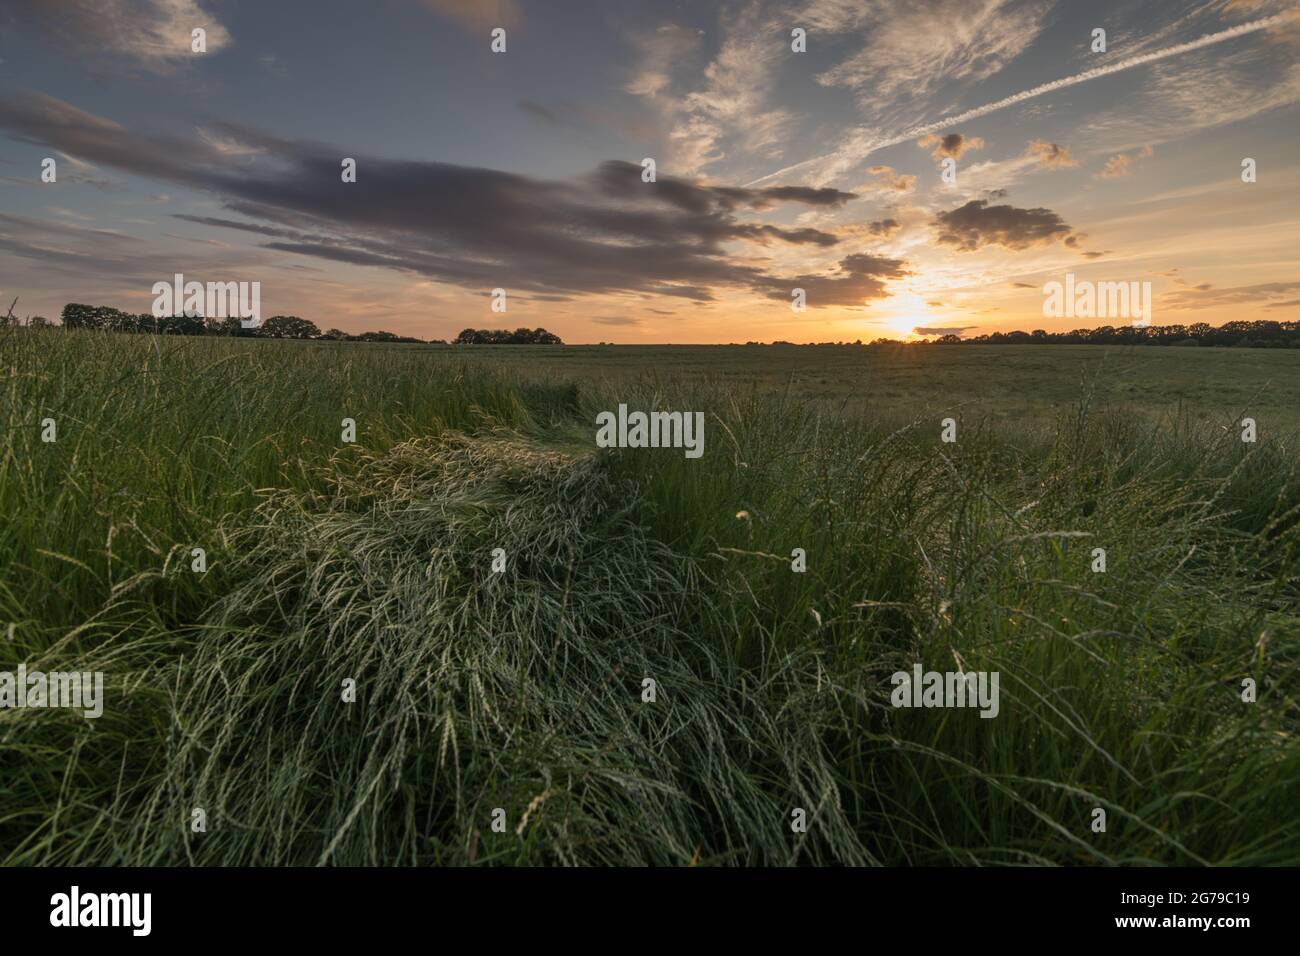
x=524 y=690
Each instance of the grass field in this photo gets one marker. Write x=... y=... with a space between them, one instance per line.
x=372 y=561
x=1000 y=382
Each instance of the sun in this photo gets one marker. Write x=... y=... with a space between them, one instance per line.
x=904 y=324
x=906 y=311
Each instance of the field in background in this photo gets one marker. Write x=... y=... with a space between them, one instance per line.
x=523 y=691
x=1004 y=381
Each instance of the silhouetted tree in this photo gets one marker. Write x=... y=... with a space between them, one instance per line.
x=288 y=327
x=504 y=337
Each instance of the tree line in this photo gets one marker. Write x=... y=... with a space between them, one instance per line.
x=504 y=337
x=78 y=316
x=1261 y=333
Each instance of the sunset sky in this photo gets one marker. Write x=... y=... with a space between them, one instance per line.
x=775 y=169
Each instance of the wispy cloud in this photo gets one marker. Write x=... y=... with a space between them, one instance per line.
x=910 y=49
x=729 y=105
x=155 y=35
x=1122 y=163
x=1203 y=296
x=864 y=142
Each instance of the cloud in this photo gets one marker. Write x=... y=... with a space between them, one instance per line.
x=950 y=145
x=909 y=50
x=62 y=230
x=860 y=278
x=1122 y=163
x=477 y=14
x=887 y=180
x=1050 y=154
x=73 y=262
x=1267 y=294
x=861 y=142
x=728 y=107
x=591 y=117
x=884 y=227
x=739 y=81
x=977 y=224
x=623 y=179
x=606 y=231
x=616 y=320
x=660 y=52
x=937 y=331
x=228 y=146
x=540 y=111
x=812 y=196
x=155 y=35
x=990 y=178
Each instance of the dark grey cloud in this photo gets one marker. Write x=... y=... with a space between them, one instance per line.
x=540 y=111
x=235 y=224
x=935 y=330
x=861 y=278
x=977 y=224
x=603 y=232
x=824 y=196
x=884 y=227
x=623 y=180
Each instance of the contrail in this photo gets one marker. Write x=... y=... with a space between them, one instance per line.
x=918 y=131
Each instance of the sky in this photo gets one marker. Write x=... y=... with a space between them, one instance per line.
x=775 y=169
